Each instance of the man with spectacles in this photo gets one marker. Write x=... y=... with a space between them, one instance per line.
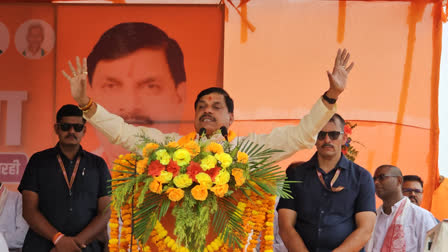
x=334 y=204
x=65 y=191
x=400 y=225
x=413 y=188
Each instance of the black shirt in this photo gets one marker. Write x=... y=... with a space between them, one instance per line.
x=325 y=218
x=69 y=214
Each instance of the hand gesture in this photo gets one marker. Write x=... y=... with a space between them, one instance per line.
x=78 y=81
x=338 y=77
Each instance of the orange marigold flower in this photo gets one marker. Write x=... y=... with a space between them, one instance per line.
x=175 y=194
x=220 y=190
x=199 y=192
x=149 y=148
x=192 y=147
x=156 y=187
x=187 y=138
x=239 y=176
x=231 y=136
x=214 y=148
x=242 y=157
x=172 y=145
x=141 y=165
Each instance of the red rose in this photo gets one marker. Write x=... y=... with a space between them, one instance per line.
x=155 y=168
x=347 y=129
x=213 y=172
x=173 y=168
x=193 y=169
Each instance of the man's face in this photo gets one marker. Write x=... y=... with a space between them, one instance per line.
x=211 y=113
x=328 y=147
x=35 y=37
x=66 y=130
x=414 y=191
x=139 y=87
x=386 y=183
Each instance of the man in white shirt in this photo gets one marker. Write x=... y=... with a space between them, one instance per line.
x=214 y=110
x=12 y=225
x=400 y=225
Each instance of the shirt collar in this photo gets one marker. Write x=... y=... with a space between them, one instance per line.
x=343 y=162
x=394 y=207
x=58 y=150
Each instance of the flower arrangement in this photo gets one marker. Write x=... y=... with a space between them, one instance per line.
x=347 y=149
x=198 y=178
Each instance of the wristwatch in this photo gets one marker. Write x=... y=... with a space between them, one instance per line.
x=328 y=99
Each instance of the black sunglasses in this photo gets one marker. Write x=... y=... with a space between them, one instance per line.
x=410 y=190
x=332 y=134
x=381 y=177
x=78 y=127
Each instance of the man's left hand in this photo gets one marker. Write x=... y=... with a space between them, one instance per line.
x=338 y=78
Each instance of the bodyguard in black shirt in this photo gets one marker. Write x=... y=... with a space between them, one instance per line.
x=65 y=195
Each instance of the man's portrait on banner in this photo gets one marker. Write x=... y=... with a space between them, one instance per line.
x=4 y=38
x=34 y=39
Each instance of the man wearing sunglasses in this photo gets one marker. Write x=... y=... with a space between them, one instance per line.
x=413 y=188
x=334 y=204
x=65 y=191
x=400 y=225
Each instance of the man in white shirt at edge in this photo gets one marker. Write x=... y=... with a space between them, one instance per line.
x=400 y=225
x=214 y=110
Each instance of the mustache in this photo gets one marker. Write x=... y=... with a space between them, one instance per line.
x=206 y=116
x=327 y=145
x=71 y=135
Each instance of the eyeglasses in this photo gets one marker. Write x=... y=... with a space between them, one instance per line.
x=381 y=177
x=410 y=190
x=78 y=127
x=332 y=134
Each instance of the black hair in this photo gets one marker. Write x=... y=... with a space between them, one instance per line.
x=126 y=38
x=227 y=98
x=338 y=117
x=413 y=178
x=69 y=110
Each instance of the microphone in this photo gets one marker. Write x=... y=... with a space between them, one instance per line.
x=224 y=132
x=202 y=131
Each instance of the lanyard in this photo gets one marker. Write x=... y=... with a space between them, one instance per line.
x=72 y=179
x=335 y=177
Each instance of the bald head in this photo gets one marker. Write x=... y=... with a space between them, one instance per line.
x=388 y=180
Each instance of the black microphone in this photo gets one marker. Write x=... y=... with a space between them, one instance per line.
x=202 y=131
x=224 y=132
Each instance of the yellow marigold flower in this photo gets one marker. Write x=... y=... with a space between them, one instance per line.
x=113 y=241
x=163 y=156
x=182 y=157
x=225 y=159
x=220 y=190
x=155 y=187
x=149 y=148
x=242 y=157
x=141 y=165
x=214 y=148
x=199 y=192
x=182 y=181
x=222 y=178
x=113 y=225
x=269 y=237
x=146 y=248
x=209 y=162
x=164 y=177
x=269 y=224
x=172 y=145
x=175 y=194
x=193 y=148
x=204 y=179
x=238 y=174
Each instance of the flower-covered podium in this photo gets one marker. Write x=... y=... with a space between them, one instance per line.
x=210 y=185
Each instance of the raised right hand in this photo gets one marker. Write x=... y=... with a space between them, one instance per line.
x=78 y=81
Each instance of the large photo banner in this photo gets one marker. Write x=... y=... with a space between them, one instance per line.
x=148 y=87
